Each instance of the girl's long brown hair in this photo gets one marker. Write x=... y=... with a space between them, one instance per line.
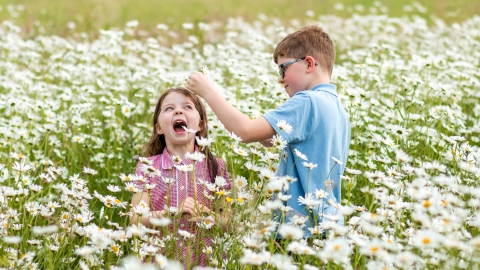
x=157 y=143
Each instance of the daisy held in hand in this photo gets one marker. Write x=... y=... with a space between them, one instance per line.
x=183 y=166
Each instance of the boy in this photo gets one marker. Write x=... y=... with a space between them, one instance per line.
x=320 y=125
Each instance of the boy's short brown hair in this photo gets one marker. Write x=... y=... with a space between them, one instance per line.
x=309 y=40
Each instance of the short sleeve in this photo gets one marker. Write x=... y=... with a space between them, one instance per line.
x=222 y=171
x=296 y=112
x=138 y=171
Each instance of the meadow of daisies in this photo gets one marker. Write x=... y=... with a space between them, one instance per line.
x=76 y=112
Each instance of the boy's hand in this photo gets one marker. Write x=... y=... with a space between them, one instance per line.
x=199 y=84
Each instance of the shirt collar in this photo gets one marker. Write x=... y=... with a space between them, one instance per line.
x=167 y=161
x=327 y=87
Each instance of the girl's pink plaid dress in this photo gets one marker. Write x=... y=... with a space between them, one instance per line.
x=176 y=193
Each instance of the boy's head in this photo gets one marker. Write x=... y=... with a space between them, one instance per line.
x=309 y=40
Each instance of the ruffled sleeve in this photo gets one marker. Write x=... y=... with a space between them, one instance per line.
x=138 y=172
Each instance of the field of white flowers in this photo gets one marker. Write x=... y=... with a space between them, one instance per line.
x=76 y=112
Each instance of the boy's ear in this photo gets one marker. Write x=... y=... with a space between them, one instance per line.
x=311 y=63
x=158 y=129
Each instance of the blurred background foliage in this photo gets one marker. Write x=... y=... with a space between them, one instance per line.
x=54 y=16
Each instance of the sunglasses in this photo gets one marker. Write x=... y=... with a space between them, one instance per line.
x=283 y=67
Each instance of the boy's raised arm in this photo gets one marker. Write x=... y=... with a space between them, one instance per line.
x=234 y=120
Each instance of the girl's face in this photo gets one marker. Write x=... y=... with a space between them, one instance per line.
x=178 y=111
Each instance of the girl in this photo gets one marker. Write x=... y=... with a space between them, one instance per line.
x=182 y=180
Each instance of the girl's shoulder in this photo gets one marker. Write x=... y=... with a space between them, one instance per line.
x=155 y=158
x=150 y=158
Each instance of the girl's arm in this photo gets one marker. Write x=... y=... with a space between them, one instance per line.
x=134 y=219
x=142 y=196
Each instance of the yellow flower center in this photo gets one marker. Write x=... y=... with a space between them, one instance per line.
x=426 y=203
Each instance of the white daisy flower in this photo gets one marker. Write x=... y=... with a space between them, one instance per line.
x=113 y=188
x=299 y=154
x=90 y=171
x=286 y=127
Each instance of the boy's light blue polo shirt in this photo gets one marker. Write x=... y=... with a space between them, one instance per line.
x=321 y=130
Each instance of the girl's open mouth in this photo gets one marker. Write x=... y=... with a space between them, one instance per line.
x=178 y=126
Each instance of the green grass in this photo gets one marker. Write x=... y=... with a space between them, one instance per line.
x=91 y=15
